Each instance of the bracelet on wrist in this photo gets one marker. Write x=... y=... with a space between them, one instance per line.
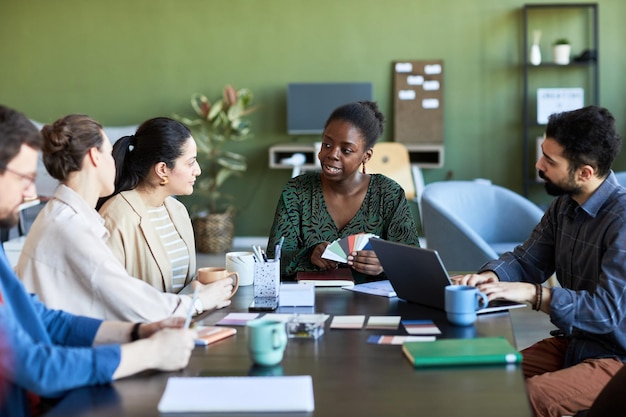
x=538 y=295
x=134 y=333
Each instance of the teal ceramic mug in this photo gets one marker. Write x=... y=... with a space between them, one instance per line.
x=267 y=340
x=462 y=302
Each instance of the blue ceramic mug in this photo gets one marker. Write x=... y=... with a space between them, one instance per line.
x=462 y=302
x=267 y=340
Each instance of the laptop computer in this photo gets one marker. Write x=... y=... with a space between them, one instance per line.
x=419 y=276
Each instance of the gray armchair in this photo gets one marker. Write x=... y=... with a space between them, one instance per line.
x=472 y=222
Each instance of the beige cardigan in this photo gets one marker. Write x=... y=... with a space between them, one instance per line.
x=136 y=243
x=66 y=261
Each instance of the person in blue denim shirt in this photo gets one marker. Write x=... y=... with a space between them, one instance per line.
x=581 y=238
x=45 y=352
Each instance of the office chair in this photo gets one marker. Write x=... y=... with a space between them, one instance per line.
x=472 y=222
x=392 y=160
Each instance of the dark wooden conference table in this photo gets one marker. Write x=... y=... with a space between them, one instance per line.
x=350 y=376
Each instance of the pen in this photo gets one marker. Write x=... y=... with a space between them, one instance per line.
x=191 y=307
x=257 y=253
x=263 y=255
x=279 y=247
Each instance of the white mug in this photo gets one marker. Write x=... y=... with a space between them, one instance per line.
x=243 y=264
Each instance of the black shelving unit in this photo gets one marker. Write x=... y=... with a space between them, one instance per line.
x=587 y=13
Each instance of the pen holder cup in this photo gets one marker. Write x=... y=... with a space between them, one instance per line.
x=267 y=279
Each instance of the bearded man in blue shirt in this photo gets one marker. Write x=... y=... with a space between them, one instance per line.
x=581 y=238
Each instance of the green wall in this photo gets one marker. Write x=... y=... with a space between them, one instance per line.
x=123 y=61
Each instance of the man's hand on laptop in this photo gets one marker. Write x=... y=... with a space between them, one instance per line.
x=488 y=283
x=475 y=280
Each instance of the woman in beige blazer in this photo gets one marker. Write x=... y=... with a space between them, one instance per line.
x=66 y=259
x=151 y=232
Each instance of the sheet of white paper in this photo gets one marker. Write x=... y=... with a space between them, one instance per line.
x=381 y=288
x=224 y=394
x=237 y=319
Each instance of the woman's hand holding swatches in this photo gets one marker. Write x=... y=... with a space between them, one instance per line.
x=365 y=262
x=316 y=257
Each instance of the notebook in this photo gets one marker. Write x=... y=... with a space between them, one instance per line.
x=419 y=276
x=211 y=334
x=339 y=277
x=453 y=352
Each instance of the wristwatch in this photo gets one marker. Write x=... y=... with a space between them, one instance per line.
x=197 y=305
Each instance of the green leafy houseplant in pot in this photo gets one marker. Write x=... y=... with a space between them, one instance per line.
x=562 y=50
x=214 y=125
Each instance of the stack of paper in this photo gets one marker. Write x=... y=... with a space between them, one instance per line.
x=339 y=250
x=238 y=394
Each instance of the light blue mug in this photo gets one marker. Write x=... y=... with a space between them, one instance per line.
x=267 y=340
x=462 y=302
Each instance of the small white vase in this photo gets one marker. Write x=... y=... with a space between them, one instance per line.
x=535 y=55
x=561 y=54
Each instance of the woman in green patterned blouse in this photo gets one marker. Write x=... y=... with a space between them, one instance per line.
x=315 y=209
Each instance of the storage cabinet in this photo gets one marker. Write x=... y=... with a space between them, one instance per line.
x=550 y=87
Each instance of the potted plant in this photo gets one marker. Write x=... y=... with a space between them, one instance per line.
x=214 y=125
x=562 y=50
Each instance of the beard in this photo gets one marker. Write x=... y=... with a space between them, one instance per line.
x=9 y=221
x=556 y=190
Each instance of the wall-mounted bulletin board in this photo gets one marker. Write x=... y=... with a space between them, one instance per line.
x=418 y=102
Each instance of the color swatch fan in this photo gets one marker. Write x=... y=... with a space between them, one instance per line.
x=339 y=250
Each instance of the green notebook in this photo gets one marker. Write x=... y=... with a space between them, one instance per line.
x=452 y=352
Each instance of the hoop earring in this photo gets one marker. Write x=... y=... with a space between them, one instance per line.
x=164 y=181
x=364 y=168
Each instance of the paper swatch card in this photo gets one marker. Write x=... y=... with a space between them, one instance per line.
x=237 y=319
x=383 y=322
x=398 y=339
x=420 y=327
x=347 y=322
x=339 y=250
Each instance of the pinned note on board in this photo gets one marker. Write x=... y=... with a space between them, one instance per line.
x=430 y=103
x=406 y=94
x=404 y=67
x=431 y=85
x=432 y=69
x=415 y=80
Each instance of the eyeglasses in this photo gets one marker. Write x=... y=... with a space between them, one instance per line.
x=27 y=180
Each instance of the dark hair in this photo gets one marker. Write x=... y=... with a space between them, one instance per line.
x=15 y=131
x=365 y=116
x=160 y=139
x=67 y=141
x=588 y=137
